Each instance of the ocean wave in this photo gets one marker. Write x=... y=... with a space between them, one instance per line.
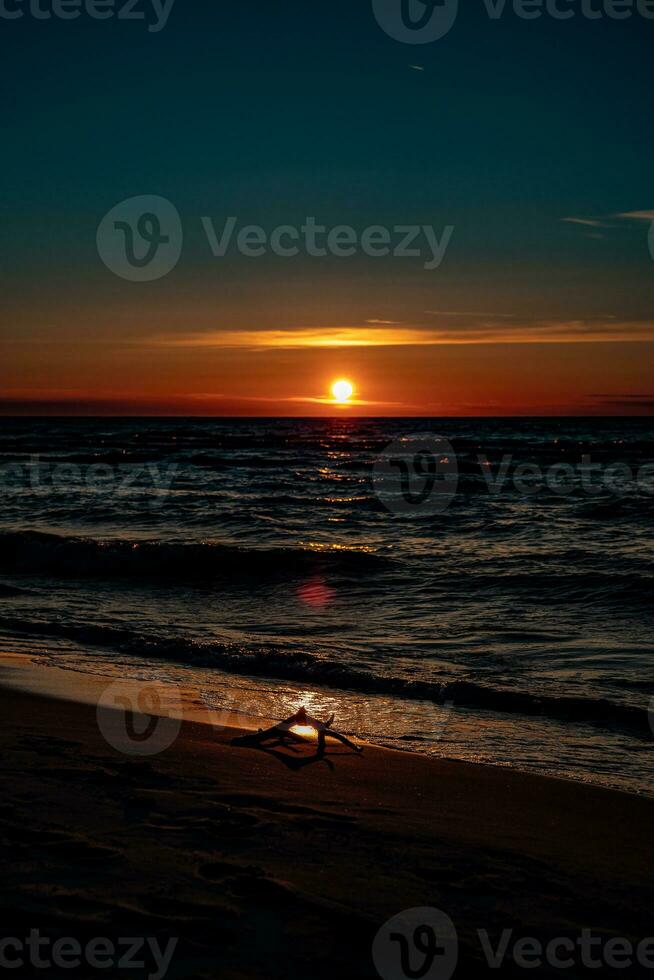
x=53 y=554
x=10 y=591
x=637 y=507
x=278 y=662
x=547 y=587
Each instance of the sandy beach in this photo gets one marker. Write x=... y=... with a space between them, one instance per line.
x=272 y=864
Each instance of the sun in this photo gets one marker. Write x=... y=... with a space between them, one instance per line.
x=342 y=391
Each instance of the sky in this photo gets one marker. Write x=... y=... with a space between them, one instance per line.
x=523 y=146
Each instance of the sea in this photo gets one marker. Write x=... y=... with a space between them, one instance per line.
x=500 y=613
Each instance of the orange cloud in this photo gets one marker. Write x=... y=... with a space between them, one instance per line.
x=468 y=330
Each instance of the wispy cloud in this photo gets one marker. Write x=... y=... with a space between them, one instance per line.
x=35 y=402
x=620 y=400
x=495 y=316
x=637 y=215
x=294 y=399
x=588 y=222
x=365 y=336
x=610 y=220
x=461 y=329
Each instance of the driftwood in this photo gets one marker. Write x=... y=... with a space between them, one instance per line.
x=283 y=732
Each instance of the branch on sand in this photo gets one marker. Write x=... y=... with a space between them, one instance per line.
x=283 y=732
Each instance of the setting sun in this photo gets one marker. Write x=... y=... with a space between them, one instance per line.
x=342 y=391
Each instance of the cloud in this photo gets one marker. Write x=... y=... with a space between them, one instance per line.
x=628 y=402
x=462 y=328
x=196 y=405
x=589 y=222
x=292 y=399
x=624 y=400
x=495 y=316
x=365 y=336
x=636 y=216
x=611 y=220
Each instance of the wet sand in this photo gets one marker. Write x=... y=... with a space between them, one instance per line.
x=275 y=864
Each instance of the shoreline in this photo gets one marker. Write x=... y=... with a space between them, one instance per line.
x=21 y=672
x=312 y=855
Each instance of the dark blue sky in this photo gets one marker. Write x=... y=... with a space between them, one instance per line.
x=275 y=111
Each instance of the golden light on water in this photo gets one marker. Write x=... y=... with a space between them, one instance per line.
x=342 y=390
x=305 y=730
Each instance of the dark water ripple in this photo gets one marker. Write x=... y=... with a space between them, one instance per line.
x=259 y=547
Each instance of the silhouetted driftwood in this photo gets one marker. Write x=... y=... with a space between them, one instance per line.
x=283 y=732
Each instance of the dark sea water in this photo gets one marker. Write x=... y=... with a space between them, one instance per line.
x=254 y=561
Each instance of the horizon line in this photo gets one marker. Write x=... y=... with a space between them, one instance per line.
x=336 y=417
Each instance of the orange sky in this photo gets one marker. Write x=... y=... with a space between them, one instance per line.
x=261 y=375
